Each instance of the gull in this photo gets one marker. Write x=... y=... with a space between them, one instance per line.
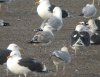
x=89 y=10
x=61 y=56
x=45 y=9
x=95 y=39
x=44 y=37
x=94 y=24
x=18 y=65
x=55 y=22
x=4 y=53
x=81 y=27
x=80 y=37
x=3 y=23
x=94 y=30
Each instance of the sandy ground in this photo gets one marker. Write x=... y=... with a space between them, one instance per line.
x=24 y=19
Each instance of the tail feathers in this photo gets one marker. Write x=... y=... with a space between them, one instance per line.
x=44 y=68
x=66 y=13
x=81 y=14
x=37 y=30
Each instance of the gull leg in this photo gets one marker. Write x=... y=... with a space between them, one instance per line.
x=0 y=7
x=19 y=76
x=64 y=69
x=45 y=49
x=98 y=2
x=40 y=48
x=75 y=51
x=56 y=65
x=25 y=75
x=7 y=71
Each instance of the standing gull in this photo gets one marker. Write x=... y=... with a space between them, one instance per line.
x=61 y=55
x=55 y=22
x=4 y=53
x=19 y=65
x=3 y=23
x=89 y=10
x=80 y=38
x=45 y=9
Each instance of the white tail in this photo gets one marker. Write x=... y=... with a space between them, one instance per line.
x=44 y=68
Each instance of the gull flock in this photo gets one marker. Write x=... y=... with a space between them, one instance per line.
x=85 y=34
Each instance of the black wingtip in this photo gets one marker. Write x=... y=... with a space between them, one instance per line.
x=64 y=14
x=33 y=42
x=81 y=14
x=6 y=24
x=30 y=42
x=2 y=1
x=37 y=30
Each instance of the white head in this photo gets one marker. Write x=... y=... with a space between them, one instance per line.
x=64 y=49
x=57 y=12
x=13 y=54
x=81 y=27
x=15 y=48
x=41 y=1
x=98 y=18
x=92 y=24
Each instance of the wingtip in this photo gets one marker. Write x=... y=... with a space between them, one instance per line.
x=33 y=42
x=30 y=42
x=81 y=14
x=6 y=24
x=37 y=30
